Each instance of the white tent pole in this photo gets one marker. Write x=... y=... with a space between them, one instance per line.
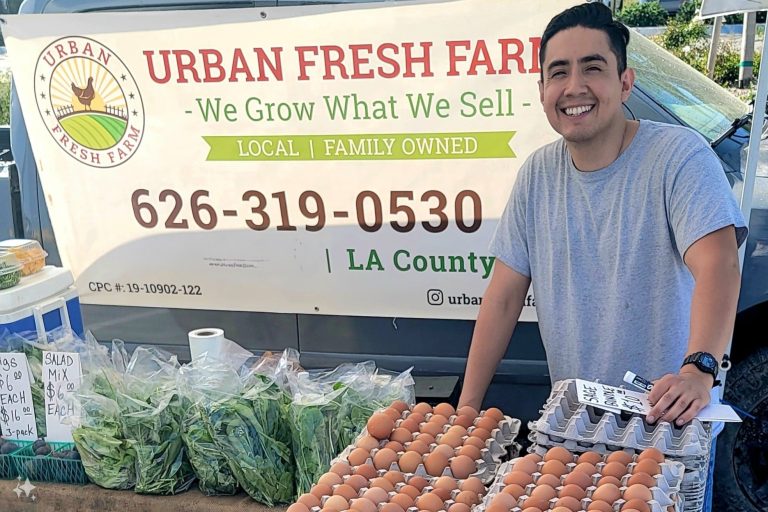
x=714 y=44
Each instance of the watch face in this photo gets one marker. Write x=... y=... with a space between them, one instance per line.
x=709 y=361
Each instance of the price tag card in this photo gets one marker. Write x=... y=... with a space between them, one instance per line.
x=616 y=400
x=17 y=412
x=61 y=378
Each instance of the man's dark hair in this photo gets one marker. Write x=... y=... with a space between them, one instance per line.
x=592 y=15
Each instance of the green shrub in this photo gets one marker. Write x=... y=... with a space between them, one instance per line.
x=687 y=11
x=650 y=14
x=680 y=34
x=5 y=98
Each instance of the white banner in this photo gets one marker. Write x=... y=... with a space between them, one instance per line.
x=300 y=160
x=710 y=8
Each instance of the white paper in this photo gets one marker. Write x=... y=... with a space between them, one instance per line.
x=211 y=341
x=618 y=399
x=61 y=377
x=17 y=413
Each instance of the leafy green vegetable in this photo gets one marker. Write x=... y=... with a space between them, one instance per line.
x=315 y=428
x=209 y=463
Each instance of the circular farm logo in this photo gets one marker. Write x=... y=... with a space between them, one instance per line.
x=89 y=102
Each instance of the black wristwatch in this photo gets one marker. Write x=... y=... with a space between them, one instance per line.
x=706 y=363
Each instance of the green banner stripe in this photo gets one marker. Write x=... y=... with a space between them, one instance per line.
x=379 y=146
x=746 y=64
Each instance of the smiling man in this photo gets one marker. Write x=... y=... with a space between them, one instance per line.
x=628 y=231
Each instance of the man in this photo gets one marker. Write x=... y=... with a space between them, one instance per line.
x=628 y=231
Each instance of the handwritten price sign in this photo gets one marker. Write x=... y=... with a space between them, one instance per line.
x=17 y=413
x=61 y=378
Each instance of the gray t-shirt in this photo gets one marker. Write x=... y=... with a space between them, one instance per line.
x=604 y=250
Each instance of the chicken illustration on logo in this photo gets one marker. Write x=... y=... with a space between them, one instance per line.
x=89 y=101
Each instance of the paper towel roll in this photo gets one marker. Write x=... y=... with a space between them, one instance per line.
x=206 y=340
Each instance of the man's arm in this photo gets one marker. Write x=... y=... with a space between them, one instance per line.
x=714 y=263
x=499 y=312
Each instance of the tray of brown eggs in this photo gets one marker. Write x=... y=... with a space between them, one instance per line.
x=563 y=482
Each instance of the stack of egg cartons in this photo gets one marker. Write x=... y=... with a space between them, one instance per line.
x=578 y=427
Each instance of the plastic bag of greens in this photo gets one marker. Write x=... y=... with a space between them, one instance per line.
x=202 y=382
x=391 y=386
x=151 y=419
x=108 y=459
x=252 y=430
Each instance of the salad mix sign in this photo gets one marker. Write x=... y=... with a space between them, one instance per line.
x=337 y=160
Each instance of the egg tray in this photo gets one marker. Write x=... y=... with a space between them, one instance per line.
x=565 y=417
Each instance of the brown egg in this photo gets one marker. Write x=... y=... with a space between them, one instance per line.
x=636 y=504
x=391 y=507
x=341 y=468
x=545 y=492
x=435 y=463
x=561 y=509
x=520 y=478
x=380 y=425
x=362 y=505
x=329 y=479
x=583 y=480
x=459 y=507
x=401 y=435
x=619 y=456
x=637 y=491
x=336 y=503
x=573 y=491
x=358 y=456
x=464 y=420
x=410 y=425
x=536 y=502
x=451 y=439
x=395 y=446
x=642 y=478
x=616 y=469
x=599 y=506
x=585 y=467
x=383 y=483
x=394 y=414
x=367 y=443
x=475 y=441
x=445 y=482
x=410 y=490
x=462 y=466
x=399 y=405
x=356 y=482
x=425 y=438
x=647 y=466
x=444 y=449
x=444 y=409
x=384 y=458
x=444 y=494
x=609 y=480
x=570 y=503
x=309 y=500
x=320 y=490
x=553 y=467
x=376 y=495
x=558 y=453
x=651 y=453
x=535 y=457
x=505 y=500
x=422 y=408
x=487 y=423
x=439 y=419
x=607 y=493
x=473 y=452
x=480 y=433
x=409 y=461
x=429 y=501
x=591 y=457
x=395 y=477
x=494 y=413
x=467 y=410
x=345 y=491
x=457 y=429
x=418 y=482
x=514 y=490
x=532 y=509
x=551 y=480
x=417 y=417
x=366 y=470
x=468 y=498
x=473 y=484
x=431 y=428
x=418 y=446
x=403 y=500
x=297 y=507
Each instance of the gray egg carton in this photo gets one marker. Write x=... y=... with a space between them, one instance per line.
x=563 y=416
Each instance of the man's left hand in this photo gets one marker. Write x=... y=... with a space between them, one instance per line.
x=680 y=397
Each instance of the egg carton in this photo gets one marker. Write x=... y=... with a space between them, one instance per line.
x=666 y=505
x=501 y=437
x=565 y=417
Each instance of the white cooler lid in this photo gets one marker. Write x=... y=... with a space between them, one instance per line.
x=49 y=282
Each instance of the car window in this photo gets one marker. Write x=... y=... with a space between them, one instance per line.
x=693 y=98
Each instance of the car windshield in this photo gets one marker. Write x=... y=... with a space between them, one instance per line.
x=695 y=99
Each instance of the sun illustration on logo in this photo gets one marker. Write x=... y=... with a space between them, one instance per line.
x=89 y=101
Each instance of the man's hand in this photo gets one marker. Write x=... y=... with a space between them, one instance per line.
x=679 y=398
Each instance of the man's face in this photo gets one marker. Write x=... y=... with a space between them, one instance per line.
x=582 y=92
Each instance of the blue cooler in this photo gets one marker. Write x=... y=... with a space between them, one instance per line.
x=42 y=302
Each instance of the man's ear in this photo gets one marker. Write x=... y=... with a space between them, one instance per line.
x=627 y=82
x=541 y=92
